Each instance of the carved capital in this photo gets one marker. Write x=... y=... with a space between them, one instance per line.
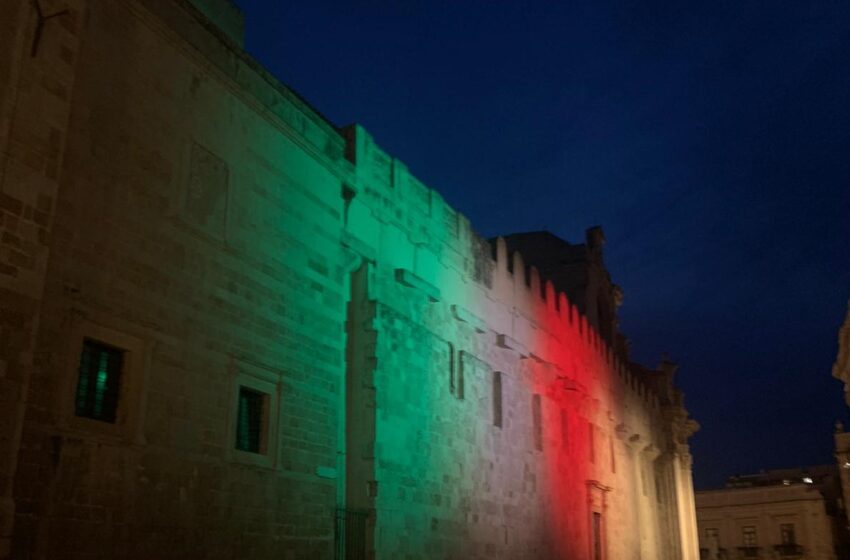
x=682 y=453
x=651 y=452
x=622 y=431
x=635 y=442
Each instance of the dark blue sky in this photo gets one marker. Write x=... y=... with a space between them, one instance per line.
x=710 y=140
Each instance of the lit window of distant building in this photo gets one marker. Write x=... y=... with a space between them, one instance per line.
x=749 y=536
x=786 y=533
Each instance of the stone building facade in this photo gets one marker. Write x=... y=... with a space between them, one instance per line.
x=793 y=514
x=767 y=523
x=230 y=329
x=841 y=371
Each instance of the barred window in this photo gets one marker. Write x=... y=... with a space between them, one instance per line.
x=99 y=381
x=250 y=421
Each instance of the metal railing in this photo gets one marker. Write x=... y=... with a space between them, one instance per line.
x=350 y=534
x=749 y=552
x=705 y=554
x=788 y=550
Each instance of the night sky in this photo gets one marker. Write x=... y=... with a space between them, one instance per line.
x=710 y=140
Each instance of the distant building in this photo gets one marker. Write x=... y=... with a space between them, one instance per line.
x=776 y=514
x=841 y=371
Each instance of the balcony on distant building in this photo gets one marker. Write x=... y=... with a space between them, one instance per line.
x=790 y=550
x=749 y=552
x=705 y=554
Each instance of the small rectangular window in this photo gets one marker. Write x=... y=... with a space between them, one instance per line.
x=591 y=436
x=786 y=533
x=537 y=419
x=565 y=429
x=455 y=372
x=451 y=363
x=614 y=456
x=459 y=383
x=251 y=421
x=99 y=381
x=748 y=535
x=597 y=536
x=659 y=488
x=497 y=399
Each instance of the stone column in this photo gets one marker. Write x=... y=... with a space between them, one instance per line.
x=359 y=485
x=38 y=55
x=684 y=486
x=650 y=517
x=633 y=447
x=646 y=518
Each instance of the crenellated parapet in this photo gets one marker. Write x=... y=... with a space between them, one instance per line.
x=428 y=237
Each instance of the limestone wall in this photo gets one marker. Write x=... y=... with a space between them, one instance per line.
x=197 y=226
x=197 y=214
x=452 y=483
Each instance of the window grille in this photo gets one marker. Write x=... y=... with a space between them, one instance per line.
x=350 y=534
x=249 y=421
x=99 y=381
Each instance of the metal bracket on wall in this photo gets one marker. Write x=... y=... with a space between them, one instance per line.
x=39 y=25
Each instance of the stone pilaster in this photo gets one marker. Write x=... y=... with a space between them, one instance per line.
x=640 y=531
x=646 y=518
x=38 y=47
x=684 y=486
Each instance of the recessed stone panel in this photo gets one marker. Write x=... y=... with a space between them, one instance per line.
x=206 y=193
